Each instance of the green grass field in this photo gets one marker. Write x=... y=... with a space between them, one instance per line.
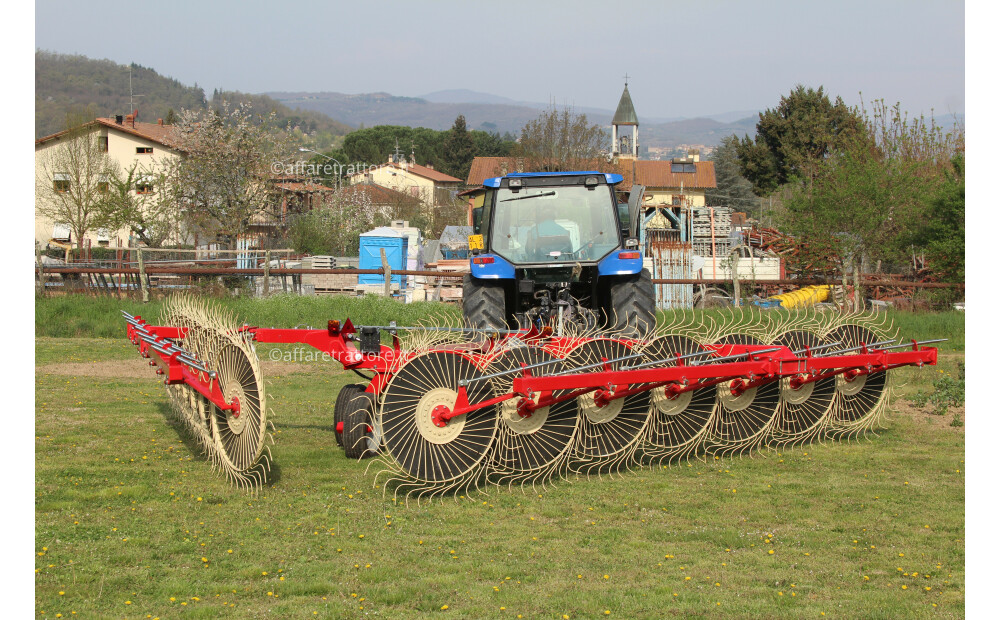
x=131 y=521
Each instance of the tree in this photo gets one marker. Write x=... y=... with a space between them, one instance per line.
x=942 y=231
x=144 y=203
x=224 y=178
x=795 y=138
x=853 y=210
x=493 y=144
x=71 y=181
x=458 y=149
x=374 y=145
x=559 y=140
x=731 y=189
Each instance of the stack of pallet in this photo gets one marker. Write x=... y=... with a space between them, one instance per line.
x=708 y=225
x=332 y=283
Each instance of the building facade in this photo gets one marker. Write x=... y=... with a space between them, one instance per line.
x=121 y=143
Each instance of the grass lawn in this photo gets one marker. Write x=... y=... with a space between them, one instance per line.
x=131 y=522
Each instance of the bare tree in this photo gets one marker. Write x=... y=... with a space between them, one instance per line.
x=559 y=140
x=71 y=182
x=231 y=156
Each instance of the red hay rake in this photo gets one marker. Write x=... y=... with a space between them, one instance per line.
x=449 y=409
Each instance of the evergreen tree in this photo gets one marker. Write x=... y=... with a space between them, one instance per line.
x=731 y=190
x=458 y=150
x=795 y=138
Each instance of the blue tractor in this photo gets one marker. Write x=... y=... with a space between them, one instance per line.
x=551 y=248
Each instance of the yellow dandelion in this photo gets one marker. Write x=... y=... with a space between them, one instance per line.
x=443 y=607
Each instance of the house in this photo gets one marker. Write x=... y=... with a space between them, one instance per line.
x=423 y=182
x=126 y=142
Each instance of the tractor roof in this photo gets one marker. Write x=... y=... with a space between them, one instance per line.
x=611 y=179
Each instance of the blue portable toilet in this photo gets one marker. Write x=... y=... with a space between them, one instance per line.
x=393 y=241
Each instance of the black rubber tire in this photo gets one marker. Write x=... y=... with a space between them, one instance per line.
x=358 y=419
x=483 y=304
x=344 y=397
x=633 y=305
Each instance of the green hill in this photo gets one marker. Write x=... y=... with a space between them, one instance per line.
x=71 y=89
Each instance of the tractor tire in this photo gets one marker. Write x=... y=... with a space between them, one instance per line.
x=360 y=441
x=483 y=304
x=344 y=397
x=633 y=305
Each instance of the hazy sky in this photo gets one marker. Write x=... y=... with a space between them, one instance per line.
x=690 y=58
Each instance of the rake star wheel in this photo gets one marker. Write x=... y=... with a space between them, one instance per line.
x=427 y=454
x=804 y=411
x=535 y=446
x=676 y=425
x=745 y=415
x=861 y=398
x=239 y=435
x=609 y=432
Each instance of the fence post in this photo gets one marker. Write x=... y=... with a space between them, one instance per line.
x=266 y=288
x=41 y=270
x=142 y=278
x=387 y=272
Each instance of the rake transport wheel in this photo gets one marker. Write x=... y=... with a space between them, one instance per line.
x=743 y=420
x=239 y=436
x=803 y=411
x=360 y=438
x=863 y=395
x=424 y=451
x=533 y=446
x=345 y=396
x=677 y=425
x=608 y=432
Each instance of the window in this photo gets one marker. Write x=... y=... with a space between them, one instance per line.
x=60 y=182
x=143 y=150
x=675 y=168
x=144 y=185
x=103 y=185
x=102 y=143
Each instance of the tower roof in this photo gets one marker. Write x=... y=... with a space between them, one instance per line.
x=625 y=114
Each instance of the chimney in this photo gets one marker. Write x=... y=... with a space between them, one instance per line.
x=159 y=122
x=431 y=166
x=694 y=154
x=130 y=120
x=118 y=119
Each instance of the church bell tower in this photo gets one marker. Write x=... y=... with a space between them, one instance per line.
x=623 y=145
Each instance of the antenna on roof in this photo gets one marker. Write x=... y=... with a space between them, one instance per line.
x=131 y=104
x=397 y=155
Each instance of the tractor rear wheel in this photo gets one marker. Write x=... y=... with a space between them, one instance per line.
x=483 y=304
x=633 y=305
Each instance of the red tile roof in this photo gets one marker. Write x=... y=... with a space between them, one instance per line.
x=644 y=172
x=161 y=134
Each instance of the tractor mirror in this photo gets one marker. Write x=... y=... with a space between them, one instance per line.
x=634 y=204
x=477 y=220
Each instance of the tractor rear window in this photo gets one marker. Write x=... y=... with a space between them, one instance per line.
x=554 y=224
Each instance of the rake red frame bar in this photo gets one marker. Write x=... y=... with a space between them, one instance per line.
x=743 y=366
